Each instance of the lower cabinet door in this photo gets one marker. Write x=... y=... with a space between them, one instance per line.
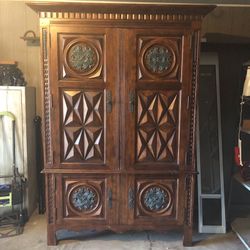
x=155 y=200
x=122 y=201
x=87 y=198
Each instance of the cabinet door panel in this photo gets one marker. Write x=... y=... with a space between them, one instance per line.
x=159 y=57
x=156 y=89
x=86 y=198
x=157 y=66
x=83 y=120
x=155 y=198
x=84 y=91
x=157 y=118
x=81 y=56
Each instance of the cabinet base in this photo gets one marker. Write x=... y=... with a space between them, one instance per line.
x=52 y=231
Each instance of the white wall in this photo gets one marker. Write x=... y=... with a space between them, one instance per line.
x=15 y=19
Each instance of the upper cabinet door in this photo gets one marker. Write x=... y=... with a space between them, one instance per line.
x=84 y=68
x=157 y=72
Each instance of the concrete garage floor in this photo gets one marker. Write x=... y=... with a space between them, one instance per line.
x=34 y=238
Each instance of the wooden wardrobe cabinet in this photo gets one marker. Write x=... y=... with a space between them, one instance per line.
x=119 y=84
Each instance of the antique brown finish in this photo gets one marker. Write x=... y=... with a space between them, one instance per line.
x=119 y=84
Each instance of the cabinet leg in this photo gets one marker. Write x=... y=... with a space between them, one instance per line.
x=51 y=236
x=188 y=222
x=188 y=235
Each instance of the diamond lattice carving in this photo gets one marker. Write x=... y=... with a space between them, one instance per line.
x=83 y=124
x=157 y=117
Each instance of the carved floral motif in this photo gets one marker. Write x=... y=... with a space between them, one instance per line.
x=84 y=198
x=158 y=59
x=155 y=198
x=82 y=57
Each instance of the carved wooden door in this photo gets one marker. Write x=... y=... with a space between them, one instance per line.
x=155 y=125
x=84 y=121
x=120 y=98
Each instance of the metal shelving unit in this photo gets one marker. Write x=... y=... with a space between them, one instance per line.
x=241 y=226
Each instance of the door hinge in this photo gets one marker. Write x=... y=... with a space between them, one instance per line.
x=110 y=198
x=188 y=102
x=108 y=101
x=131 y=198
x=132 y=101
x=52 y=100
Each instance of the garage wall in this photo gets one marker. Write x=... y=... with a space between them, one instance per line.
x=15 y=19
x=228 y=20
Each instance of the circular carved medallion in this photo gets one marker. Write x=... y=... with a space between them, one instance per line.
x=158 y=59
x=82 y=57
x=155 y=199
x=84 y=198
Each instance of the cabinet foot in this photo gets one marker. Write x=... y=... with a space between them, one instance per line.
x=51 y=237
x=187 y=238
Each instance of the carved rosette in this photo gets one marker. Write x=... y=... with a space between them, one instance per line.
x=159 y=58
x=82 y=57
x=83 y=198
x=155 y=198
